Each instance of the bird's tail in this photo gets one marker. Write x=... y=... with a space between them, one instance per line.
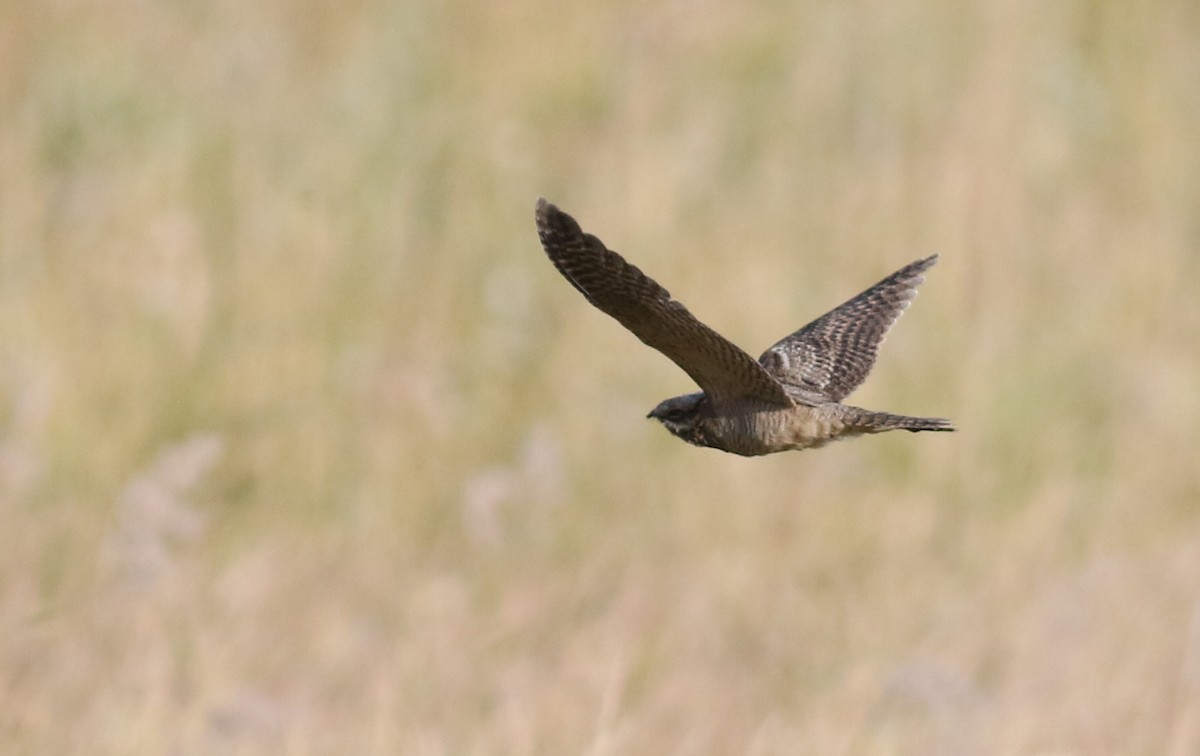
x=866 y=421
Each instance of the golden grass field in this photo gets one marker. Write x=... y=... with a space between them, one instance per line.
x=305 y=447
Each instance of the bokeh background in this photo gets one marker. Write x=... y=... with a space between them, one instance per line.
x=306 y=448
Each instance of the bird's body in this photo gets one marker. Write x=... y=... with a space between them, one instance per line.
x=752 y=428
x=790 y=398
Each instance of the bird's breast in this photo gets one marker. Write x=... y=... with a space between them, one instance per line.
x=804 y=427
x=767 y=431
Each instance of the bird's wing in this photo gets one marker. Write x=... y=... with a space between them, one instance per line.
x=832 y=355
x=718 y=366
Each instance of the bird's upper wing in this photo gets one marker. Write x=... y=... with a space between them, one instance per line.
x=832 y=355
x=721 y=368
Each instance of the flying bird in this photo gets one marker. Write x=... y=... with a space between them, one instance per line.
x=789 y=398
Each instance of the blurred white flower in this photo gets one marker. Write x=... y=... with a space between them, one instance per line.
x=153 y=511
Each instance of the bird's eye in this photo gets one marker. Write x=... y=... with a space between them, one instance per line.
x=674 y=414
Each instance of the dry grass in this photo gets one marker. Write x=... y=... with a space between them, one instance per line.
x=306 y=449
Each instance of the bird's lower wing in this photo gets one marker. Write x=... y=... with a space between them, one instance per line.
x=832 y=355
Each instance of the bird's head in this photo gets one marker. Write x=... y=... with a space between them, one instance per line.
x=683 y=416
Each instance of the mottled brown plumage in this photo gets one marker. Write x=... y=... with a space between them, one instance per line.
x=717 y=365
x=833 y=354
x=789 y=398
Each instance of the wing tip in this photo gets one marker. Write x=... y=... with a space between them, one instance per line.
x=548 y=213
x=543 y=210
x=925 y=263
x=914 y=273
x=554 y=223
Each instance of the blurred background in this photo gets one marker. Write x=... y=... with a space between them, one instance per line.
x=306 y=448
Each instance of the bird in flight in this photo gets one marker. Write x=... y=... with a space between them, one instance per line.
x=790 y=398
